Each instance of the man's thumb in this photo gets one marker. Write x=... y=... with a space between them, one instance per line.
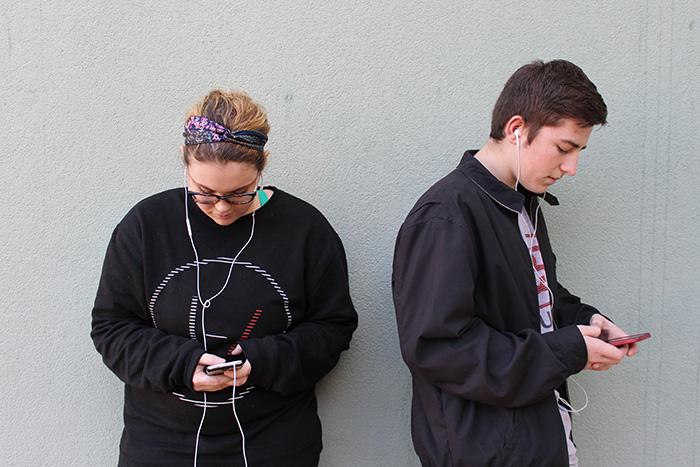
x=590 y=331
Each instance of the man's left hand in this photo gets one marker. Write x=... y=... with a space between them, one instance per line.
x=608 y=330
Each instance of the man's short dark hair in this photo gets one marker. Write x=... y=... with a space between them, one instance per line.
x=545 y=93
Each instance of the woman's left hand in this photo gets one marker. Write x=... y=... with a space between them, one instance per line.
x=243 y=372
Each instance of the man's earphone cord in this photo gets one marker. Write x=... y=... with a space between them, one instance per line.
x=566 y=405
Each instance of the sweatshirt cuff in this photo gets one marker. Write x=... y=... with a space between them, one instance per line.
x=190 y=366
x=260 y=361
x=568 y=345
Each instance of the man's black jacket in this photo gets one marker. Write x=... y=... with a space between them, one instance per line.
x=468 y=319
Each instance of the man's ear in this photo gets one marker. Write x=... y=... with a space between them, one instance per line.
x=516 y=122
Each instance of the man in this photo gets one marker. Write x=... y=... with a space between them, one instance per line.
x=489 y=334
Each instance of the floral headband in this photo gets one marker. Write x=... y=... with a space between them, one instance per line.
x=200 y=129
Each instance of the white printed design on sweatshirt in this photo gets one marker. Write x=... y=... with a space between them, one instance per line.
x=224 y=260
x=193 y=307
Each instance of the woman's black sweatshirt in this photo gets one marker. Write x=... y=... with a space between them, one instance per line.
x=287 y=304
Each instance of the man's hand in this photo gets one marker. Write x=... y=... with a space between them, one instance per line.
x=601 y=355
x=205 y=383
x=609 y=331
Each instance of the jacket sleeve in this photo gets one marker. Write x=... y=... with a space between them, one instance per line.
x=570 y=310
x=295 y=361
x=445 y=344
x=122 y=331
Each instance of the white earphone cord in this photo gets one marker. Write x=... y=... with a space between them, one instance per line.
x=517 y=145
x=235 y=415
x=206 y=304
x=565 y=405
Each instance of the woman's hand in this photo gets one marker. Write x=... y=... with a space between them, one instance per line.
x=242 y=372
x=205 y=383
x=202 y=382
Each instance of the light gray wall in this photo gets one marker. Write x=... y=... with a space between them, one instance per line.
x=370 y=103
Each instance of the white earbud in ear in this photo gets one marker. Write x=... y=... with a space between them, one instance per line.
x=517 y=136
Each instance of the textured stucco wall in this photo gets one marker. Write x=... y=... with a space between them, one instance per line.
x=370 y=103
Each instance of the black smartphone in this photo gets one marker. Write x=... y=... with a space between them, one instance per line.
x=236 y=361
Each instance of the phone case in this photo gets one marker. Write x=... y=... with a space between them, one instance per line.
x=626 y=340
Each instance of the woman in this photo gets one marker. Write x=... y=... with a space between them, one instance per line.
x=222 y=269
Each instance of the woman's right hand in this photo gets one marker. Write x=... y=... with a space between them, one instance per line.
x=601 y=355
x=202 y=382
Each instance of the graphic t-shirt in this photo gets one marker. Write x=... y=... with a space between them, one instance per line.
x=544 y=299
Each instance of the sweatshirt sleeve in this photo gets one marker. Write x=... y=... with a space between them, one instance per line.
x=444 y=343
x=122 y=331
x=295 y=361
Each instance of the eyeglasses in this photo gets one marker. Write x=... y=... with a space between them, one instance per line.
x=234 y=198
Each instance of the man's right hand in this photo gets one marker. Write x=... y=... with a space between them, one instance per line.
x=601 y=355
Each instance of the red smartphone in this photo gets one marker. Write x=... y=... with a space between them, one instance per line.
x=626 y=340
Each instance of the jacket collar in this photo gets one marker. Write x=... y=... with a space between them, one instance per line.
x=496 y=189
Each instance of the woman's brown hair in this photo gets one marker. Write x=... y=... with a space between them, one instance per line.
x=236 y=111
